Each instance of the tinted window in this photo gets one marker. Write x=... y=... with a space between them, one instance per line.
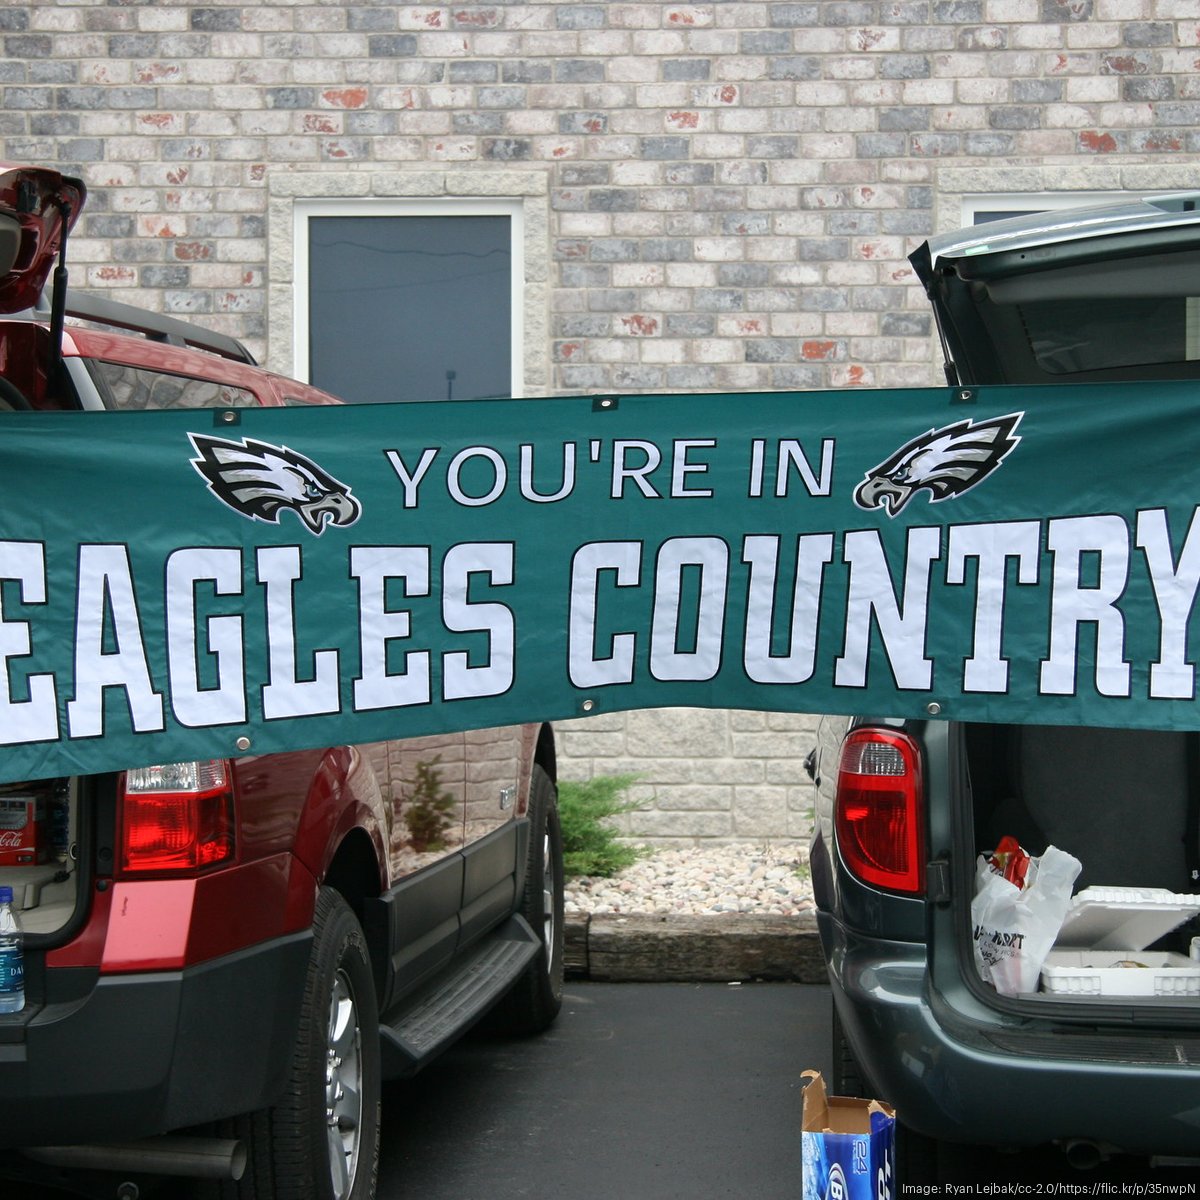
x=410 y=307
x=125 y=387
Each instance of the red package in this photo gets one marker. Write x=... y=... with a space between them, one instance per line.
x=1009 y=860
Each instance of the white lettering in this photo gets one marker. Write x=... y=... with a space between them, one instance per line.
x=286 y=695
x=35 y=719
x=1073 y=541
x=991 y=546
x=901 y=623
x=1172 y=677
x=194 y=705
x=568 y=475
x=454 y=476
x=106 y=591
x=376 y=686
x=461 y=614
x=411 y=480
x=668 y=661
x=584 y=667
x=814 y=552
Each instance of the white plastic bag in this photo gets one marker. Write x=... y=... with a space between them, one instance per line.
x=1014 y=927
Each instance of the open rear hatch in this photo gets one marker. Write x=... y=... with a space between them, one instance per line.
x=1106 y=293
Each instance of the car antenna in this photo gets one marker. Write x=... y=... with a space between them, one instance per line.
x=58 y=293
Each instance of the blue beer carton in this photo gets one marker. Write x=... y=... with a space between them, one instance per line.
x=849 y=1146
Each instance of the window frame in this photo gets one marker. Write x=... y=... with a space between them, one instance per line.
x=305 y=210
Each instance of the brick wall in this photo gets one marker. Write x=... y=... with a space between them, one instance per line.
x=717 y=196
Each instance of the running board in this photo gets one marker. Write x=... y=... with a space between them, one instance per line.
x=425 y=1025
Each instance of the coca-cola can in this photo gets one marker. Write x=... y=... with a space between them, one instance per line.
x=23 y=833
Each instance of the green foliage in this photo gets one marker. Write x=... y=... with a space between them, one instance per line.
x=427 y=813
x=590 y=845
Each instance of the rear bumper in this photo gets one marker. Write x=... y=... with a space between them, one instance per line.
x=983 y=1081
x=142 y=1054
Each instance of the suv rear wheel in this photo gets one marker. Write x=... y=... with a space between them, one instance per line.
x=321 y=1141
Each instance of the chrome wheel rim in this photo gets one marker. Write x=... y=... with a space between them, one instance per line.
x=548 y=894
x=343 y=1086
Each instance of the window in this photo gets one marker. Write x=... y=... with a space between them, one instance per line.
x=126 y=387
x=407 y=300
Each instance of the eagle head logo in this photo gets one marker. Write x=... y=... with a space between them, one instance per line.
x=261 y=481
x=945 y=462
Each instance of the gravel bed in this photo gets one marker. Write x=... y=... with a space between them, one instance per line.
x=765 y=879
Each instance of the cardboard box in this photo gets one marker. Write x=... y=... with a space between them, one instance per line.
x=848 y=1145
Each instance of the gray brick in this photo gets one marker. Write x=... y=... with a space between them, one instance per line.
x=582 y=325
x=1014 y=116
x=478 y=123
x=689 y=325
x=101 y=97
x=1055 y=11
x=474 y=71
x=291 y=97
x=131 y=45
x=32 y=45
x=766 y=41
x=746 y=224
x=989 y=144
x=641 y=378
x=856 y=222
x=719 y=300
x=667 y=250
x=164 y=276
x=507 y=149
x=905 y=221
x=1157 y=88
x=798 y=378
x=1148 y=33
x=583 y=122
x=501 y=97
x=771 y=350
x=584 y=378
x=691 y=378
x=905 y=324
x=905 y=66
x=580 y=16
x=526 y=71
x=795 y=16
x=880 y=145
x=935 y=145
x=664 y=148
x=26 y=97
x=958 y=12
x=215 y=20
x=691 y=174
x=614 y=250
x=774 y=146
x=370 y=20
x=14 y=20
x=743 y=274
x=579 y=70
x=53 y=72
x=392 y=45
x=1037 y=91
x=812 y=249
x=905 y=119
x=918 y=197
x=585 y=174
x=848 y=12
x=612 y=200
x=1179 y=112
x=795 y=66
x=107 y=225
x=371 y=124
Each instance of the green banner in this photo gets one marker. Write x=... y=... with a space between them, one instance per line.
x=178 y=585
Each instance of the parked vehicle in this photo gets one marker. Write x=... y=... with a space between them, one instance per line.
x=905 y=807
x=225 y=958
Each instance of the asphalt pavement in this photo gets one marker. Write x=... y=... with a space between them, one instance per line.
x=639 y=1092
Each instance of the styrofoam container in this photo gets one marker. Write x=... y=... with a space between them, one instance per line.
x=1099 y=973
x=1123 y=918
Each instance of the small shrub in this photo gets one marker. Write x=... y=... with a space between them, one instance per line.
x=590 y=845
x=427 y=813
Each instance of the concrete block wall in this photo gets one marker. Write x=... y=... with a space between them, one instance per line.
x=717 y=196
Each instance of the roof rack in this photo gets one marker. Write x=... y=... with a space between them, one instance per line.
x=155 y=326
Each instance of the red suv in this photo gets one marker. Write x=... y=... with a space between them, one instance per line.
x=224 y=958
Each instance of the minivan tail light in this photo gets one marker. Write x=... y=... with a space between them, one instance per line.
x=879 y=814
x=178 y=818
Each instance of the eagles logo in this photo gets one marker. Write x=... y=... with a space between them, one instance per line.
x=945 y=462
x=261 y=481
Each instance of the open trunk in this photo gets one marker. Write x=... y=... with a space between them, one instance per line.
x=1122 y=803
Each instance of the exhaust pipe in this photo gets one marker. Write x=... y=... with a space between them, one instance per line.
x=1083 y=1155
x=195 y=1157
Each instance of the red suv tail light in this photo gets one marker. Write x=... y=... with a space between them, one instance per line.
x=879 y=814
x=177 y=818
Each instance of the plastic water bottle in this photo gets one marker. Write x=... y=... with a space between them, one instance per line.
x=12 y=956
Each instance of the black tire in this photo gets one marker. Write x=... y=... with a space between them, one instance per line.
x=533 y=1002
x=847 y=1075
x=291 y=1146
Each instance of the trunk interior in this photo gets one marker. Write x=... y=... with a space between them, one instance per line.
x=39 y=851
x=1124 y=803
